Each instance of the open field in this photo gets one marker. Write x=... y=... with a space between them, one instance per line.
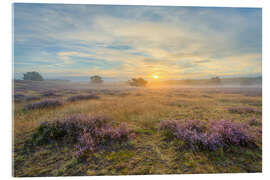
x=147 y=150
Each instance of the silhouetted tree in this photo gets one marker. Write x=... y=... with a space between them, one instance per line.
x=33 y=76
x=215 y=80
x=96 y=79
x=137 y=82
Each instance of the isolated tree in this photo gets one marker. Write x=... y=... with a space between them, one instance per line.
x=137 y=82
x=215 y=80
x=96 y=79
x=33 y=76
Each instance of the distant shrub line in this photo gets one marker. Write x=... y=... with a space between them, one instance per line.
x=21 y=97
x=254 y=122
x=82 y=97
x=47 y=103
x=18 y=97
x=44 y=104
x=207 y=136
x=48 y=93
x=32 y=98
x=89 y=133
x=242 y=110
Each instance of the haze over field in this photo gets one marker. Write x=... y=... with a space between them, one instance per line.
x=121 y=42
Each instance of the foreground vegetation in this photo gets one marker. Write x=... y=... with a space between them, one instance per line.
x=101 y=130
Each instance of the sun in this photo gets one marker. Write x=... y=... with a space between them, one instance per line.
x=155 y=76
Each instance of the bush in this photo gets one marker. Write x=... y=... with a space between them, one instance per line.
x=18 y=97
x=48 y=93
x=33 y=76
x=137 y=82
x=82 y=97
x=43 y=104
x=231 y=133
x=254 y=122
x=69 y=127
x=215 y=80
x=97 y=138
x=88 y=132
x=242 y=110
x=169 y=127
x=32 y=98
x=211 y=136
x=96 y=79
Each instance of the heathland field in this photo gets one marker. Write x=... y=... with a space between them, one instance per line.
x=73 y=129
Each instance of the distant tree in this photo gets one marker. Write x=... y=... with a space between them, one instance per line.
x=96 y=79
x=33 y=76
x=137 y=82
x=215 y=80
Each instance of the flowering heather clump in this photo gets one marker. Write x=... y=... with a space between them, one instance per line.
x=85 y=144
x=254 y=122
x=90 y=140
x=32 y=98
x=44 y=104
x=88 y=132
x=109 y=134
x=82 y=97
x=241 y=110
x=48 y=93
x=48 y=131
x=18 y=97
x=213 y=135
x=69 y=128
x=174 y=125
x=231 y=133
x=170 y=125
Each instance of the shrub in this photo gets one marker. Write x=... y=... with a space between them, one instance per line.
x=88 y=132
x=242 y=110
x=215 y=80
x=33 y=76
x=18 y=97
x=137 y=82
x=48 y=131
x=254 y=122
x=197 y=135
x=109 y=134
x=231 y=133
x=96 y=79
x=169 y=127
x=32 y=98
x=85 y=144
x=98 y=137
x=43 y=104
x=82 y=97
x=69 y=127
x=48 y=93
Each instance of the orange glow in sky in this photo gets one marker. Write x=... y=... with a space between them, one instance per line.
x=155 y=76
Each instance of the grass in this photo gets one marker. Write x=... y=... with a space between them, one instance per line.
x=149 y=151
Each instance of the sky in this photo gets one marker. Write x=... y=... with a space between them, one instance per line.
x=63 y=41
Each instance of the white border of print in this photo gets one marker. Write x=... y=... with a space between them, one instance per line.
x=6 y=84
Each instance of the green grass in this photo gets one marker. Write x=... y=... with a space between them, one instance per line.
x=149 y=152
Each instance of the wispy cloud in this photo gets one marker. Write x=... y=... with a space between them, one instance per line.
x=131 y=41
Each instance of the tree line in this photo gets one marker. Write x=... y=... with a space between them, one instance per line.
x=138 y=82
x=35 y=76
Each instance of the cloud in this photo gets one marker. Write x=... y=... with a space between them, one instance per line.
x=130 y=41
x=203 y=61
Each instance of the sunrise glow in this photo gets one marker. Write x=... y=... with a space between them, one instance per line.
x=102 y=40
x=156 y=77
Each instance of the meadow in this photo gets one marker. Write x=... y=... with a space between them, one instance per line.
x=76 y=129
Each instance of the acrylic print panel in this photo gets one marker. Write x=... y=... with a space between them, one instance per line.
x=125 y=90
